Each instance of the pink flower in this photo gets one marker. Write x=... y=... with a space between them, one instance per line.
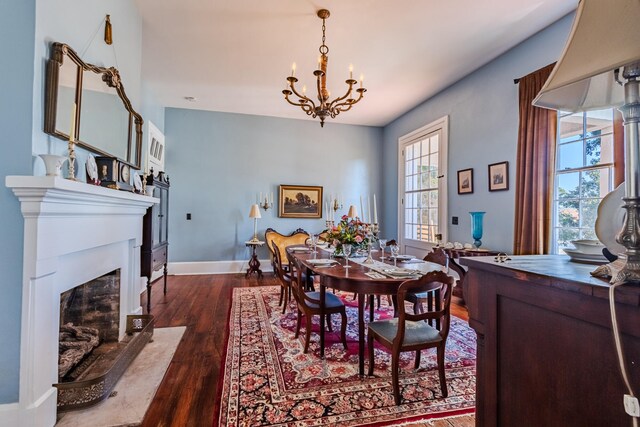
x=358 y=239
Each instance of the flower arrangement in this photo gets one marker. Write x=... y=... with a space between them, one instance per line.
x=351 y=231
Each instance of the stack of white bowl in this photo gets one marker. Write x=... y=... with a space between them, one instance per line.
x=589 y=251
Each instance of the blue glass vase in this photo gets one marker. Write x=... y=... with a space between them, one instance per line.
x=476 y=227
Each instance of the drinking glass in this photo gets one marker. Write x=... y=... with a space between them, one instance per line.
x=395 y=250
x=383 y=244
x=346 y=249
x=313 y=239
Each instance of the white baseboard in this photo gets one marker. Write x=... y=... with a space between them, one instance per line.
x=215 y=267
x=9 y=414
x=42 y=412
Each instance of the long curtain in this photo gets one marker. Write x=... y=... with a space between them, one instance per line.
x=535 y=168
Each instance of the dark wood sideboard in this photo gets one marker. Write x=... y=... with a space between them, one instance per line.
x=454 y=260
x=155 y=227
x=546 y=354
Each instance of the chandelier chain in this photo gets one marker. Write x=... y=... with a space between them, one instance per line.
x=324 y=49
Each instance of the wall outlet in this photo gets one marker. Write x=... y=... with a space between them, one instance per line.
x=188 y=217
x=631 y=405
x=454 y=220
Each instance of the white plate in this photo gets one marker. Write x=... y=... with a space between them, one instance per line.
x=610 y=219
x=403 y=257
x=300 y=250
x=92 y=167
x=583 y=257
x=137 y=182
x=321 y=261
x=400 y=272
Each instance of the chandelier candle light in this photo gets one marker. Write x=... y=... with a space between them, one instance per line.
x=325 y=107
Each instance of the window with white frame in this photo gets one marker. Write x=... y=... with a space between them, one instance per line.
x=584 y=174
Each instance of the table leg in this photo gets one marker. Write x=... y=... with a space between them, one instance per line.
x=371 y=309
x=394 y=300
x=322 y=304
x=361 y=336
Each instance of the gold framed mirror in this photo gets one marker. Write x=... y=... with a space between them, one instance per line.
x=105 y=121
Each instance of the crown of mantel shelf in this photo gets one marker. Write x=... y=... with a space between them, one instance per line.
x=64 y=196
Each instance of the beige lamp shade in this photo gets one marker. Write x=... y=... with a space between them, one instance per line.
x=255 y=212
x=352 y=212
x=604 y=37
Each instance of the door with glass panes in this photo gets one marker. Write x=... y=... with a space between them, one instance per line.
x=422 y=189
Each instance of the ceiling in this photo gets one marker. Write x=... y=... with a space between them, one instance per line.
x=234 y=56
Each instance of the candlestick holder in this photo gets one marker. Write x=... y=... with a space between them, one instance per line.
x=371 y=236
x=336 y=205
x=72 y=160
x=329 y=224
x=266 y=205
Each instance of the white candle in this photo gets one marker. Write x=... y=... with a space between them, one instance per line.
x=361 y=209
x=272 y=197
x=326 y=210
x=368 y=209
x=375 y=210
x=72 y=128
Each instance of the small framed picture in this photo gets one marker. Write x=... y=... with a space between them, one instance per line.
x=465 y=181
x=499 y=176
x=300 y=201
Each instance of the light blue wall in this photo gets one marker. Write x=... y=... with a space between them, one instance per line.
x=483 y=129
x=17 y=22
x=218 y=162
x=27 y=27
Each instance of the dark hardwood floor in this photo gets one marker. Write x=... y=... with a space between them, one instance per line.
x=187 y=394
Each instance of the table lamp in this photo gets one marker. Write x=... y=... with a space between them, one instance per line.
x=353 y=213
x=599 y=68
x=255 y=214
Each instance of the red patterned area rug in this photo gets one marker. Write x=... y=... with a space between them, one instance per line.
x=269 y=381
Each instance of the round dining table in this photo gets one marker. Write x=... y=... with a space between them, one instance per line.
x=354 y=279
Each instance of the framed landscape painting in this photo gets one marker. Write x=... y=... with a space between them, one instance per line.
x=300 y=201
x=465 y=181
x=499 y=176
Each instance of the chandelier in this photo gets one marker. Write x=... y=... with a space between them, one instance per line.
x=325 y=107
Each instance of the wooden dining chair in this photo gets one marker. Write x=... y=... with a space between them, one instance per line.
x=437 y=256
x=284 y=277
x=309 y=305
x=409 y=332
x=461 y=272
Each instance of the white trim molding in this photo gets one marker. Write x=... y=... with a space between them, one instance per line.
x=9 y=414
x=215 y=267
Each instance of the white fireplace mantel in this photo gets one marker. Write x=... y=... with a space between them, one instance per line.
x=73 y=233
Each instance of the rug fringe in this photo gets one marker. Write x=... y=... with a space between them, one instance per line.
x=430 y=421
